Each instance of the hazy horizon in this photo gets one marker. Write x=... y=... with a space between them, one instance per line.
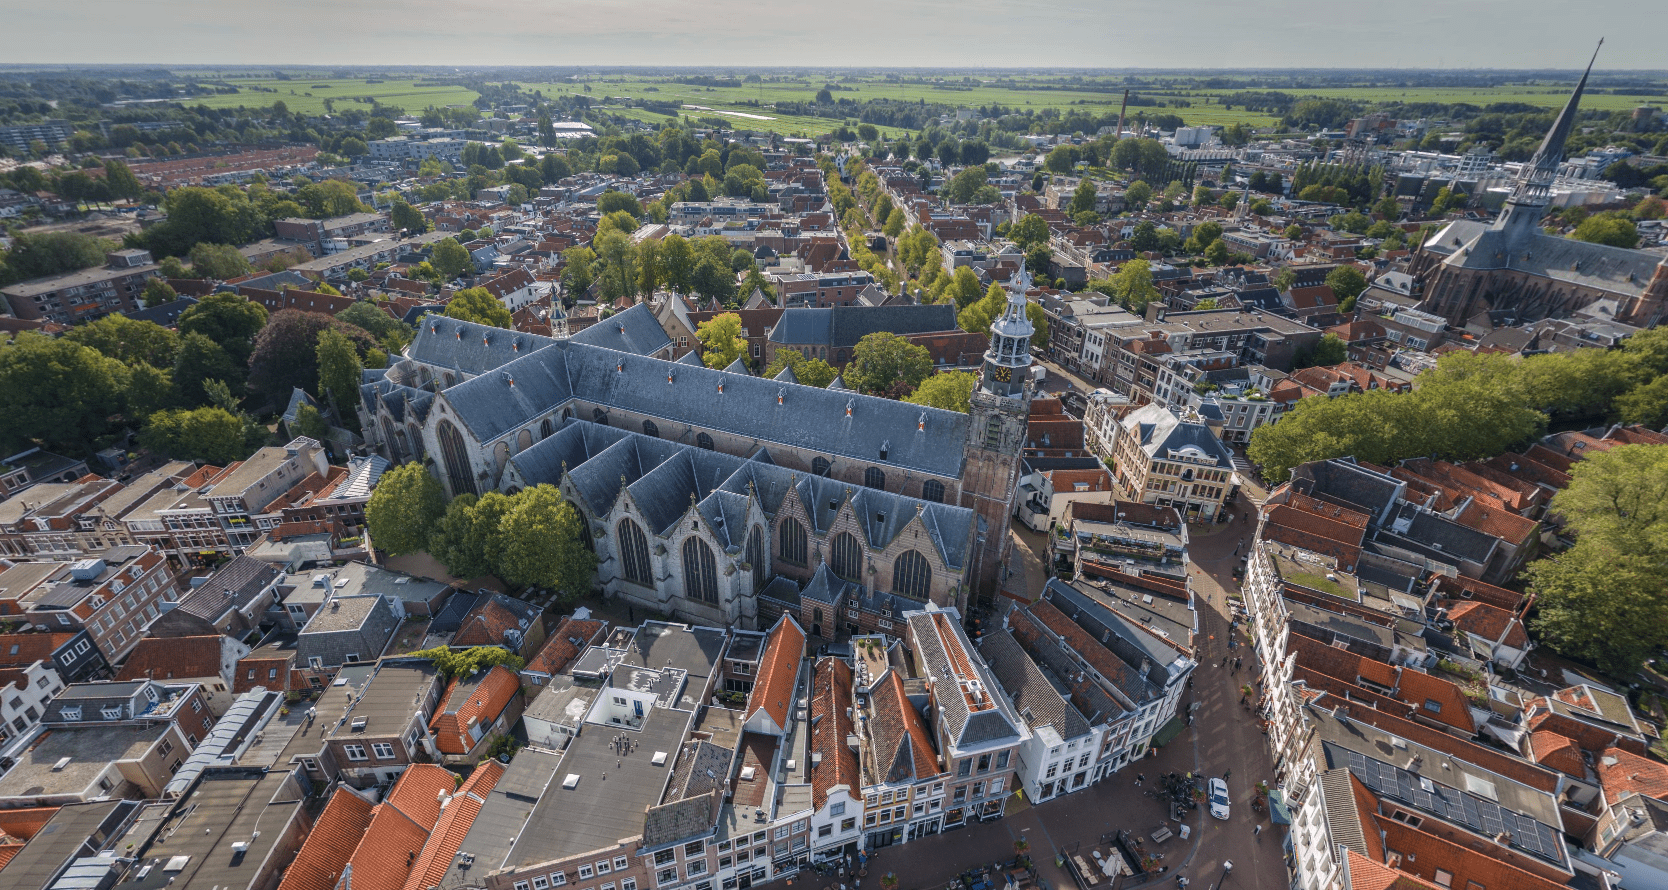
x=1013 y=34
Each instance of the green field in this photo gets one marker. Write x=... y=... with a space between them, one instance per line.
x=307 y=95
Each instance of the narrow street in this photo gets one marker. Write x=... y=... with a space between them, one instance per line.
x=1223 y=737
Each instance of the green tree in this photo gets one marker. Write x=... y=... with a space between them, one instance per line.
x=379 y=324
x=612 y=201
x=1217 y=253
x=964 y=288
x=57 y=394
x=1328 y=351
x=37 y=254
x=677 y=262
x=119 y=178
x=714 y=280
x=1132 y=286
x=1647 y=404
x=721 y=340
x=544 y=544
x=149 y=390
x=466 y=538
x=157 y=291
x=807 y=371
x=881 y=361
x=453 y=664
x=1294 y=232
x=404 y=508
x=408 y=218
x=310 y=423
x=129 y=341
x=227 y=319
x=1138 y=195
x=894 y=225
x=617 y=263
x=451 y=259
x=220 y=262
x=200 y=360
x=952 y=391
x=1029 y=232
x=286 y=353
x=211 y=435
x=339 y=373
x=1347 y=283
x=477 y=304
x=1604 y=228
x=578 y=273
x=1606 y=599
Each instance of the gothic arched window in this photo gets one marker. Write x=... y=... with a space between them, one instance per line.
x=700 y=571
x=846 y=557
x=455 y=458
x=704 y=441
x=911 y=576
x=820 y=467
x=599 y=416
x=932 y=490
x=792 y=545
x=649 y=429
x=875 y=477
x=756 y=557
x=634 y=553
x=546 y=428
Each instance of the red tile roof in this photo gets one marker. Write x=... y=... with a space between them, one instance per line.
x=30 y=648
x=778 y=671
x=492 y=619
x=24 y=823
x=565 y=644
x=173 y=658
x=8 y=852
x=455 y=821
x=468 y=702
x=1424 y=854
x=1622 y=773
x=1490 y=623
x=1414 y=690
x=1557 y=752
x=831 y=700
x=329 y=846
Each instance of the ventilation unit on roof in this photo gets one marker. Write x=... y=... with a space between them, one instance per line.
x=747 y=773
x=571 y=782
x=659 y=758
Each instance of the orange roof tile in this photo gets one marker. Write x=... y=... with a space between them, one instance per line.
x=565 y=644
x=23 y=823
x=1489 y=622
x=329 y=846
x=1365 y=874
x=173 y=658
x=479 y=702
x=1492 y=759
x=8 y=852
x=778 y=671
x=455 y=821
x=1622 y=773
x=1557 y=752
x=831 y=700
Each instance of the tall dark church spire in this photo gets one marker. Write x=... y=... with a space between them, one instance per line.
x=1533 y=190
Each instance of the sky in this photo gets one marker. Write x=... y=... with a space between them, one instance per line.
x=1165 y=34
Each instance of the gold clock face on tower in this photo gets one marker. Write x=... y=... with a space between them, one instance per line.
x=1001 y=374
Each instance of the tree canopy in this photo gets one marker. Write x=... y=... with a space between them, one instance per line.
x=882 y=361
x=58 y=394
x=454 y=663
x=808 y=371
x=477 y=304
x=1606 y=599
x=721 y=340
x=952 y=391
x=211 y=435
x=404 y=508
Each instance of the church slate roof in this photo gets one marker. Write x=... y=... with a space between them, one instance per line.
x=634 y=331
x=853 y=323
x=600 y=479
x=572 y=445
x=803 y=327
x=786 y=375
x=468 y=347
x=847 y=425
x=690 y=358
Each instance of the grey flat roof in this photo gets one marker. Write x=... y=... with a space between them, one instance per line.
x=614 y=791
x=90 y=749
x=498 y=827
x=95 y=275
x=344 y=613
x=251 y=471
x=388 y=699
x=225 y=807
x=64 y=837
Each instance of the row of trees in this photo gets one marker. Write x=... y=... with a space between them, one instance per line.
x=532 y=539
x=1474 y=405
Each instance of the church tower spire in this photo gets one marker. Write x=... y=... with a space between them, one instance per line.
x=1009 y=356
x=1532 y=192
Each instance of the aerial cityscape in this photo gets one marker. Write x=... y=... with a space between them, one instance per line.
x=613 y=447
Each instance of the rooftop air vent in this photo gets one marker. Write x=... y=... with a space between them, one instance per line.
x=659 y=758
x=747 y=773
x=571 y=782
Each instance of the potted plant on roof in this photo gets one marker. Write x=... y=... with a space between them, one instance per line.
x=889 y=881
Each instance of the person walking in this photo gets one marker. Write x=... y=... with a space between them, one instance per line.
x=1256 y=831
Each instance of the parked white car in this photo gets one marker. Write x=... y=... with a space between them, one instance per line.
x=1218 y=795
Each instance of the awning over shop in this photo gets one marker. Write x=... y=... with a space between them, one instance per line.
x=1279 y=811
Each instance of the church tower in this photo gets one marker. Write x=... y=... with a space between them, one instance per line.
x=1533 y=190
x=995 y=435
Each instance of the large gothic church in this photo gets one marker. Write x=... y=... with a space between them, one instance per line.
x=701 y=487
x=1513 y=269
